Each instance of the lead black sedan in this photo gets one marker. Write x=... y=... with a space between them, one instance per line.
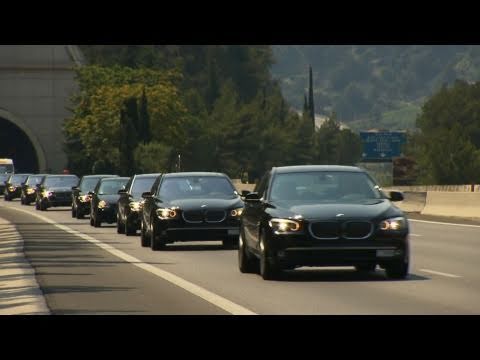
x=322 y=216
x=191 y=206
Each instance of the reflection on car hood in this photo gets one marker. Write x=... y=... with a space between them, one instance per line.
x=369 y=209
x=194 y=204
x=59 y=189
x=111 y=199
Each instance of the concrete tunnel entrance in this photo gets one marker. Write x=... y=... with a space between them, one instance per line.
x=15 y=144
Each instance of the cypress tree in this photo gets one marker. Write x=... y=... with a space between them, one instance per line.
x=311 y=105
x=128 y=137
x=144 y=131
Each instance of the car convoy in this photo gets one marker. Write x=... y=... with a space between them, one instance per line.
x=315 y=215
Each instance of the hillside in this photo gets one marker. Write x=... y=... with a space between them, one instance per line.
x=372 y=86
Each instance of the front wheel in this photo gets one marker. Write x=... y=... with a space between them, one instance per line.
x=269 y=268
x=129 y=230
x=74 y=212
x=397 y=270
x=157 y=242
x=37 y=205
x=229 y=243
x=120 y=228
x=247 y=263
x=144 y=239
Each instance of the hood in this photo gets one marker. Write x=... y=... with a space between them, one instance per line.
x=369 y=209
x=196 y=204
x=111 y=199
x=60 y=189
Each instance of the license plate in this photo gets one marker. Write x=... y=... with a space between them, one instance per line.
x=234 y=232
x=385 y=253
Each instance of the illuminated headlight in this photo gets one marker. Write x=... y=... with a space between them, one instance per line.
x=167 y=213
x=393 y=224
x=236 y=212
x=102 y=204
x=84 y=198
x=30 y=191
x=136 y=206
x=11 y=188
x=280 y=226
x=47 y=193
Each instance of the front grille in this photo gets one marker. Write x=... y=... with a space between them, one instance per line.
x=215 y=216
x=62 y=195
x=331 y=230
x=325 y=230
x=357 y=229
x=193 y=216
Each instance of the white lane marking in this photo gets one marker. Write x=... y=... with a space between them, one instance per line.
x=209 y=296
x=440 y=273
x=443 y=223
x=415 y=235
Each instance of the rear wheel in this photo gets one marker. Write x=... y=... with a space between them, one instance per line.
x=269 y=268
x=247 y=263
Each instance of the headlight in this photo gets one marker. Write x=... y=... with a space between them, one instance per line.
x=136 y=206
x=167 y=213
x=284 y=225
x=84 y=198
x=393 y=224
x=236 y=212
x=46 y=193
x=11 y=188
x=102 y=204
x=30 y=191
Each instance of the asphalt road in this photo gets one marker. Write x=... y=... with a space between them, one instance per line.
x=86 y=270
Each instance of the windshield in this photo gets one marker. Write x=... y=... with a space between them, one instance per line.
x=61 y=181
x=88 y=184
x=34 y=180
x=3 y=178
x=196 y=187
x=18 y=179
x=6 y=169
x=324 y=187
x=111 y=187
x=141 y=185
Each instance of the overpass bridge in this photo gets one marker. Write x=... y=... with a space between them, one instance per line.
x=36 y=83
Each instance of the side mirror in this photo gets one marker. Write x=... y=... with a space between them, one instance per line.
x=146 y=194
x=252 y=197
x=74 y=188
x=91 y=193
x=396 y=196
x=122 y=191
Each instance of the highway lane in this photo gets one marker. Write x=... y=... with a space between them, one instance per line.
x=79 y=277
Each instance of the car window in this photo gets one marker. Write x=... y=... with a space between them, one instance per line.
x=141 y=185
x=18 y=179
x=324 y=186
x=34 y=180
x=216 y=187
x=111 y=187
x=60 y=181
x=88 y=184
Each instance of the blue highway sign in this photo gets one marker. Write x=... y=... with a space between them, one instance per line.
x=382 y=145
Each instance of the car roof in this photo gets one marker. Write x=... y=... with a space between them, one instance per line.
x=99 y=175
x=62 y=175
x=147 y=175
x=308 y=168
x=199 y=173
x=115 y=178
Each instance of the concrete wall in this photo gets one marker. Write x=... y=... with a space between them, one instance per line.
x=36 y=83
x=456 y=204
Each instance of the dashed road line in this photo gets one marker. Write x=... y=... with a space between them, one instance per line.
x=440 y=273
x=443 y=223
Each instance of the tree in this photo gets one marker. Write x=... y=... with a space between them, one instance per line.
x=311 y=103
x=128 y=137
x=144 y=131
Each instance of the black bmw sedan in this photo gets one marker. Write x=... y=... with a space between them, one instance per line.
x=81 y=198
x=13 y=186
x=29 y=188
x=103 y=207
x=55 y=190
x=322 y=216
x=191 y=206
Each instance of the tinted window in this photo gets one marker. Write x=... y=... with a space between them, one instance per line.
x=34 y=180
x=18 y=179
x=324 y=186
x=6 y=168
x=216 y=187
x=88 y=184
x=61 y=181
x=141 y=185
x=111 y=187
x=3 y=178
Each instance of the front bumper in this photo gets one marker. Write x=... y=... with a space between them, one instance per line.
x=83 y=208
x=303 y=250
x=108 y=214
x=15 y=193
x=178 y=230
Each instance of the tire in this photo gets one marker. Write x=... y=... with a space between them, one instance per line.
x=43 y=207
x=97 y=222
x=91 y=220
x=144 y=239
x=74 y=212
x=247 y=263
x=269 y=268
x=365 y=268
x=397 y=270
x=128 y=229
x=78 y=215
x=7 y=198
x=37 y=205
x=229 y=243
x=156 y=241
x=120 y=227
x=22 y=200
